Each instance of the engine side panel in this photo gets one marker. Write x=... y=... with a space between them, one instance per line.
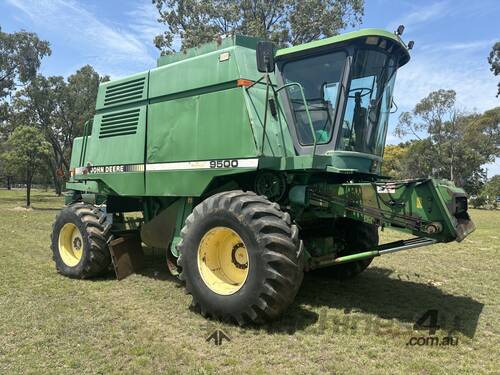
x=191 y=140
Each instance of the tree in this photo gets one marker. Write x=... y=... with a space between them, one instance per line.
x=285 y=22
x=38 y=104
x=59 y=109
x=5 y=171
x=419 y=161
x=435 y=115
x=76 y=106
x=494 y=61
x=474 y=183
x=393 y=157
x=488 y=127
x=492 y=188
x=20 y=57
x=478 y=143
x=27 y=150
x=451 y=144
x=487 y=196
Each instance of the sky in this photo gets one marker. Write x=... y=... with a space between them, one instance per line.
x=452 y=42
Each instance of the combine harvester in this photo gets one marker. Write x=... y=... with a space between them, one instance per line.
x=249 y=166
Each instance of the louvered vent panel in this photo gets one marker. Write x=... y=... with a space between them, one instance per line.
x=122 y=123
x=124 y=92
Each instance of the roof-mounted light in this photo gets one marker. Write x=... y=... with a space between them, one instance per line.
x=399 y=31
x=372 y=40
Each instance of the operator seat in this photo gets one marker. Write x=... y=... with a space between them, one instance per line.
x=359 y=123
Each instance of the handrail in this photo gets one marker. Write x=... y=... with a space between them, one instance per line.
x=83 y=151
x=311 y=127
x=268 y=82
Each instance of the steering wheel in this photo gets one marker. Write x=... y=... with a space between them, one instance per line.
x=363 y=91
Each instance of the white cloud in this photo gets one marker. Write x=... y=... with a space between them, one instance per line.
x=470 y=78
x=421 y=15
x=109 y=46
x=493 y=168
x=474 y=45
x=143 y=21
x=464 y=47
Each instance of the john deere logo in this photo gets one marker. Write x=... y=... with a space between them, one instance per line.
x=218 y=336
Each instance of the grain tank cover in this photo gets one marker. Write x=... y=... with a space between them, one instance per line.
x=218 y=44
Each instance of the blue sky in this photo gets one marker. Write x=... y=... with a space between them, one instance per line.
x=452 y=41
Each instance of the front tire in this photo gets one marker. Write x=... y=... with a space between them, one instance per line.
x=79 y=239
x=240 y=257
x=355 y=237
x=349 y=237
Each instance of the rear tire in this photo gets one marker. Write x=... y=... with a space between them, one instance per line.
x=79 y=239
x=259 y=274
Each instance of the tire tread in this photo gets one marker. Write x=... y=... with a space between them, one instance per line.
x=280 y=246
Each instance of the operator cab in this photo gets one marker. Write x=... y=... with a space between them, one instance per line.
x=348 y=87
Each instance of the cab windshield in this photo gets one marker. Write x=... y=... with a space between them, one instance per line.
x=369 y=99
x=365 y=106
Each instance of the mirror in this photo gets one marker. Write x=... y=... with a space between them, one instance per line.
x=265 y=57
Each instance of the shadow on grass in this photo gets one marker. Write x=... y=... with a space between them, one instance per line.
x=155 y=267
x=375 y=293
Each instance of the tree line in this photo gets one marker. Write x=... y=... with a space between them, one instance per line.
x=40 y=116
x=446 y=143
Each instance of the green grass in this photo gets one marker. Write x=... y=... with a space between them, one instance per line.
x=142 y=325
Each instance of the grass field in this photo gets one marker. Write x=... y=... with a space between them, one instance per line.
x=142 y=325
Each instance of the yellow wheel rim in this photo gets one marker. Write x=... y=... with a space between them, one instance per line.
x=223 y=260
x=70 y=244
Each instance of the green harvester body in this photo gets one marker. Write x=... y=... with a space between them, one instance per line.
x=206 y=120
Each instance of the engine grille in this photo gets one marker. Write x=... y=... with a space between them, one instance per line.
x=124 y=92
x=121 y=123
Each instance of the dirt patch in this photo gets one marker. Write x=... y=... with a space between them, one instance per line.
x=22 y=209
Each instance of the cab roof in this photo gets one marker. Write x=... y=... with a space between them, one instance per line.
x=363 y=33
